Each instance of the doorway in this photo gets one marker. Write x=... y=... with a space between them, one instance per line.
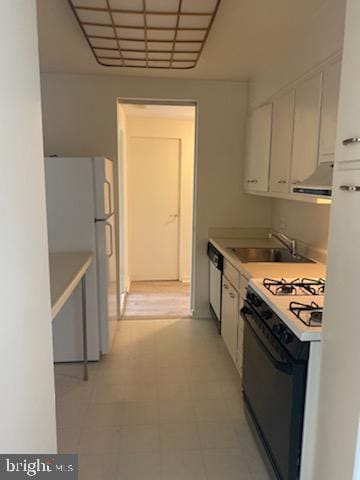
x=156 y=183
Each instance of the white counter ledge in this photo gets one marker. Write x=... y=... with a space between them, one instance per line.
x=67 y=271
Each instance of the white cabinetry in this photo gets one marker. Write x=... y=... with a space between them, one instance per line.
x=281 y=144
x=232 y=325
x=306 y=129
x=258 y=150
x=329 y=112
x=349 y=127
x=229 y=317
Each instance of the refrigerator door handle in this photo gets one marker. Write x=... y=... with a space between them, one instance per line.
x=110 y=254
x=109 y=193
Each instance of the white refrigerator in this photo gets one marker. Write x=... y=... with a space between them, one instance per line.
x=80 y=214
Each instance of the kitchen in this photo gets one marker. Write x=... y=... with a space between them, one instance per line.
x=79 y=119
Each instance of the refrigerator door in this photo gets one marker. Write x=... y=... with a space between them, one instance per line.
x=107 y=303
x=103 y=187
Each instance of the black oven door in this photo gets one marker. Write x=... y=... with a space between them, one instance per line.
x=274 y=392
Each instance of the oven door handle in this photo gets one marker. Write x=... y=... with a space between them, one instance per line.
x=282 y=366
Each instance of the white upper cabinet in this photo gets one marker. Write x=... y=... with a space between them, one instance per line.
x=329 y=112
x=306 y=129
x=349 y=128
x=281 y=144
x=258 y=150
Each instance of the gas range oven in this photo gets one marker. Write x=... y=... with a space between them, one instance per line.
x=275 y=362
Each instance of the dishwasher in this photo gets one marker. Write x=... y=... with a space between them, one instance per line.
x=216 y=262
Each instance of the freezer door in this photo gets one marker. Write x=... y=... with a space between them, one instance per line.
x=103 y=187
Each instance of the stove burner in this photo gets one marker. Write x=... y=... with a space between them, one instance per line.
x=309 y=314
x=315 y=287
x=304 y=286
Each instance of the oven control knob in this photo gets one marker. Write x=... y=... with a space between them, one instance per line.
x=267 y=314
x=255 y=300
x=287 y=337
x=279 y=329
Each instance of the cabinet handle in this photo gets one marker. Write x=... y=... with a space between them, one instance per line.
x=226 y=286
x=254 y=181
x=232 y=295
x=351 y=141
x=281 y=181
x=295 y=182
x=350 y=188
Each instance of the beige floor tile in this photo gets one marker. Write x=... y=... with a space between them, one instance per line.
x=218 y=435
x=139 y=438
x=182 y=465
x=70 y=414
x=111 y=393
x=98 y=467
x=179 y=436
x=226 y=465
x=68 y=440
x=210 y=409
x=139 y=466
x=206 y=390
x=141 y=413
x=176 y=411
x=106 y=415
x=98 y=441
x=174 y=390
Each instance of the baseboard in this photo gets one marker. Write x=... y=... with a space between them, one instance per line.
x=185 y=280
x=201 y=313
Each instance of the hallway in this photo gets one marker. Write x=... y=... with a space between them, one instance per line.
x=164 y=405
x=154 y=300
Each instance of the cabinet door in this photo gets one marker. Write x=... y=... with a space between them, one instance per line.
x=281 y=143
x=349 y=127
x=258 y=150
x=229 y=317
x=306 y=129
x=329 y=112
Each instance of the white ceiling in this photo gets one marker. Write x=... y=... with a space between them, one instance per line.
x=164 y=111
x=246 y=35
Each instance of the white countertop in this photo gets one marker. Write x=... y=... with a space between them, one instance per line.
x=264 y=269
x=66 y=271
x=280 y=306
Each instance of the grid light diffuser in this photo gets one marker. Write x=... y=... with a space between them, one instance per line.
x=166 y=34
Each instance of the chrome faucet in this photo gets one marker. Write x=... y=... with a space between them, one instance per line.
x=288 y=242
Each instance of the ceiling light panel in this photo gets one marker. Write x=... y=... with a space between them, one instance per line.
x=168 y=34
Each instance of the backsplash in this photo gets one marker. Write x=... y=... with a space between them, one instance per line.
x=305 y=221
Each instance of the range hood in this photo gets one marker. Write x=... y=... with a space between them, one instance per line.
x=319 y=183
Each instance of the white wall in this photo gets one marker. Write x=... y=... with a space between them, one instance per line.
x=80 y=119
x=184 y=130
x=322 y=39
x=27 y=400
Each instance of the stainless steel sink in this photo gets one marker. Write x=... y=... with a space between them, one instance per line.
x=273 y=255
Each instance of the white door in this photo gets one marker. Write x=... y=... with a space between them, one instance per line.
x=154 y=208
x=306 y=129
x=281 y=144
